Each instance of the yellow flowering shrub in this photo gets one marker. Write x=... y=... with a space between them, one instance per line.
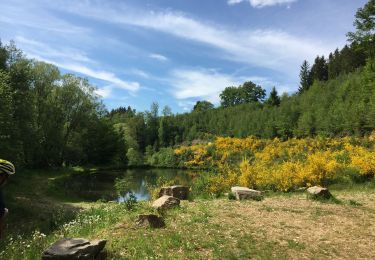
x=363 y=160
x=222 y=182
x=280 y=165
x=195 y=156
x=284 y=176
x=318 y=168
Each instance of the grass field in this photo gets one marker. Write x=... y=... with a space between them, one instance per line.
x=288 y=227
x=282 y=226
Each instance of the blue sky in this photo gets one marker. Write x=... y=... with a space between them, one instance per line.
x=176 y=52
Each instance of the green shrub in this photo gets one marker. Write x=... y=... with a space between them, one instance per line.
x=130 y=201
x=231 y=196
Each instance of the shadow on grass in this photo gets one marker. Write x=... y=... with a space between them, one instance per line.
x=331 y=200
x=35 y=203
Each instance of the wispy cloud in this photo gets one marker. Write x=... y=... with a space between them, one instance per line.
x=104 y=92
x=201 y=83
x=157 y=56
x=72 y=60
x=234 y=2
x=262 y=3
x=43 y=35
x=102 y=75
x=272 y=49
x=30 y=14
x=208 y=83
x=37 y=48
x=139 y=73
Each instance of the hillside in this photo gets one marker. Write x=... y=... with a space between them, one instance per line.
x=337 y=107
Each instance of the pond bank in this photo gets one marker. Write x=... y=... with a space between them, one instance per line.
x=43 y=199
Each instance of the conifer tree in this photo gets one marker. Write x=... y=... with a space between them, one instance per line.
x=305 y=77
x=319 y=71
x=274 y=99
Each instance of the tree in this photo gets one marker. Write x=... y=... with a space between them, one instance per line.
x=3 y=57
x=135 y=158
x=152 y=124
x=45 y=80
x=246 y=93
x=319 y=70
x=229 y=97
x=121 y=113
x=365 y=28
x=20 y=73
x=250 y=92
x=6 y=119
x=163 y=132
x=167 y=111
x=274 y=99
x=305 y=77
x=77 y=103
x=203 y=106
x=148 y=154
x=346 y=60
x=100 y=142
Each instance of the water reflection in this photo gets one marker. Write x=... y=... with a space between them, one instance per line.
x=116 y=185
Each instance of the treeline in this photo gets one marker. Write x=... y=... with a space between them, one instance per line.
x=340 y=107
x=49 y=119
x=343 y=61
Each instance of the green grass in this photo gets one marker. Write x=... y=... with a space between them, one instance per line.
x=292 y=244
x=355 y=203
x=202 y=229
x=274 y=228
x=190 y=234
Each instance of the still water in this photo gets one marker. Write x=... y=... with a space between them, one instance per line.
x=116 y=185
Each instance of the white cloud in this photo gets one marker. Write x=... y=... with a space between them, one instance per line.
x=71 y=59
x=36 y=48
x=29 y=14
x=157 y=56
x=140 y=73
x=208 y=84
x=272 y=49
x=202 y=83
x=262 y=3
x=102 y=75
x=233 y=2
x=104 y=92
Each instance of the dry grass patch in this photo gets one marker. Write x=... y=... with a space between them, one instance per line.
x=305 y=228
x=279 y=227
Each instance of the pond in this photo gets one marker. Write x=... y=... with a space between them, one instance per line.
x=116 y=185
